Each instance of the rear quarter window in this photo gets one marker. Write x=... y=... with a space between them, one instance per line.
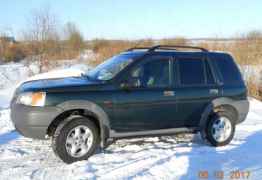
x=228 y=70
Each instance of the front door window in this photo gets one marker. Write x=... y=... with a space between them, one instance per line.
x=152 y=74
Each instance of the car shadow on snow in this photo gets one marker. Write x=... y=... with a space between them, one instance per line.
x=9 y=136
x=128 y=152
x=243 y=157
x=242 y=154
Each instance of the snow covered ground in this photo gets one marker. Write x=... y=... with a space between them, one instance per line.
x=145 y=158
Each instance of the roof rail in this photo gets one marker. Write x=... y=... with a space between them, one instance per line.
x=170 y=47
x=166 y=47
x=138 y=48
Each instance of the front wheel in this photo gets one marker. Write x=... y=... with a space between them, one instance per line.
x=220 y=129
x=75 y=139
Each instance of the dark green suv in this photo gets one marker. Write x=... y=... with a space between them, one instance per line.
x=153 y=91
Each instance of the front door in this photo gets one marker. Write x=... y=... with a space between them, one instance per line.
x=149 y=102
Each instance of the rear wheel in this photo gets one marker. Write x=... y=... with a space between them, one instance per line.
x=220 y=129
x=75 y=139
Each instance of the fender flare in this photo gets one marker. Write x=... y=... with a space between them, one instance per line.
x=210 y=109
x=95 y=110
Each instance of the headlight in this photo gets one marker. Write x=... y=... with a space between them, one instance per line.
x=32 y=98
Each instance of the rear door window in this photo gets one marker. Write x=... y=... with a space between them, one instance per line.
x=191 y=71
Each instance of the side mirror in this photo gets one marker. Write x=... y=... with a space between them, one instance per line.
x=125 y=86
x=129 y=84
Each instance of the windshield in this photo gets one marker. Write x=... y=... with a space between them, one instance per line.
x=111 y=67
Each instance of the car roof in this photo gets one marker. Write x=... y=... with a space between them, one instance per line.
x=174 y=52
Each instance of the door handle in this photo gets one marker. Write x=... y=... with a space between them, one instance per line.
x=169 y=93
x=213 y=91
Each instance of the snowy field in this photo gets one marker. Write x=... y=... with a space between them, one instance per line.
x=144 y=158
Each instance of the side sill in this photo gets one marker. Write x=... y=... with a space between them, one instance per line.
x=160 y=132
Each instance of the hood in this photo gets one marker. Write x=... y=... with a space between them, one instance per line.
x=55 y=74
x=56 y=84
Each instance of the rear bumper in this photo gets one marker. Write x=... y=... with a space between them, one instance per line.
x=33 y=121
x=242 y=108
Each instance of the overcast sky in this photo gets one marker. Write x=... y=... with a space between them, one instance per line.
x=122 y=19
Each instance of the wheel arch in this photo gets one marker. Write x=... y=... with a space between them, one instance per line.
x=219 y=104
x=86 y=109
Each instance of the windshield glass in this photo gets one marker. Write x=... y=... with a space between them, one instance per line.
x=111 y=67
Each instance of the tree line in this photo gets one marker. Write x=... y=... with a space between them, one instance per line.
x=44 y=38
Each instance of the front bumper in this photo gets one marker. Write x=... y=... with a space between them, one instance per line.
x=33 y=122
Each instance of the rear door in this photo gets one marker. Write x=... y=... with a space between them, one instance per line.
x=196 y=87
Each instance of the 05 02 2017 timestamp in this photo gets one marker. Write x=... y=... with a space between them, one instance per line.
x=232 y=175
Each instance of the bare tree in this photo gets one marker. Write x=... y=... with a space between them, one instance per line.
x=254 y=35
x=42 y=24
x=2 y=46
x=10 y=50
x=41 y=34
x=74 y=38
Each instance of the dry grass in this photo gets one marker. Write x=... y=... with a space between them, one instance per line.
x=253 y=89
x=108 y=48
x=247 y=50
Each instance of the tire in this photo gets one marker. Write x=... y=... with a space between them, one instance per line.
x=224 y=138
x=66 y=139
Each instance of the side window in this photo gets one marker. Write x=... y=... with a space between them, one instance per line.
x=209 y=75
x=228 y=69
x=154 y=73
x=191 y=71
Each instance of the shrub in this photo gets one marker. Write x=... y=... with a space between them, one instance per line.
x=74 y=41
x=174 y=41
x=13 y=52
